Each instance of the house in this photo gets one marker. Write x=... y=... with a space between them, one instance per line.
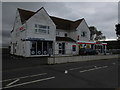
x=39 y=34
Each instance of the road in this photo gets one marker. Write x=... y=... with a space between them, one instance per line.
x=91 y=74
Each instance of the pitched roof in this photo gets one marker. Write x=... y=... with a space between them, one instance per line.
x=65 y=39
x=65 y=24
x=25 y=15
x=59 y=22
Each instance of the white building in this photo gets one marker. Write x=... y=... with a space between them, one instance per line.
x=39 y=34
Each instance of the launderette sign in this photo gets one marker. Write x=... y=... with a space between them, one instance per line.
x=22 y=28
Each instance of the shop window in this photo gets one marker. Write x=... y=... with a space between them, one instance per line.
x=41 y=47
x=33 y=48
x=60 y=46
x=60 y=51
x=80 y=46
x=88 y=46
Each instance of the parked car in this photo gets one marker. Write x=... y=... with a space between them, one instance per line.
x=87 y=51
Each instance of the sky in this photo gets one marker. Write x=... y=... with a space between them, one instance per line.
x=102 y=15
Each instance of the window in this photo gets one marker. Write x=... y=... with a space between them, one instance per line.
x=73 y=47
x=48 y=32
x=36 y=30
x=84 y=34
x=78 y=37
x=42 y=29
x=65 y=34
x=35 y=25
x=48 y=27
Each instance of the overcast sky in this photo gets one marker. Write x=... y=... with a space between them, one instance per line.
x=102 y=15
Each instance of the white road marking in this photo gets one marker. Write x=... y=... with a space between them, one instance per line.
x=29 y=82
x=95 y=66
x=13 y=82
x=24 y=77
x=93 y=69
x=66 y=71
x=75 y=68
x=79 y=67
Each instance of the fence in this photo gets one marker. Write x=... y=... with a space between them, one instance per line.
x=66 y=59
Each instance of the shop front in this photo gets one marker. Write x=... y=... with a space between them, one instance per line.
x=98 y=46
x=40 y=47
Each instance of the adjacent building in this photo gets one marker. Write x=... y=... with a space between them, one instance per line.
x=39 y=34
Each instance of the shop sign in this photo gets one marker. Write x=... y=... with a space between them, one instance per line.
x=73 y=45
x=22 y=28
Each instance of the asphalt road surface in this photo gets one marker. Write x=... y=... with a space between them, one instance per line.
x=91 y=74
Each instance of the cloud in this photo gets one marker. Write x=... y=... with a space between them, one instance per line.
x=102 y=15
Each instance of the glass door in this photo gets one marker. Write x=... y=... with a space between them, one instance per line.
x=33 y=48
x=45 y=50
x=41 y=47
x=61 y=48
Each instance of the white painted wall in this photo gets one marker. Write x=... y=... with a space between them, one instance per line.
x=62 y=33
x=17 y=35
x=82 y=27
x=40 y=18
x=68 y=48
x=73 y=35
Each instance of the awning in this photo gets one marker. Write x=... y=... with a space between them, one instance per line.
x=35 y=39
x=85 y=42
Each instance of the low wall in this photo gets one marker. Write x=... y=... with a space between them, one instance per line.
x=65 y=59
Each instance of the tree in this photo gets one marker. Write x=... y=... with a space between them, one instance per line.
x=95 y=34
x=93 y=31
x=117 y=30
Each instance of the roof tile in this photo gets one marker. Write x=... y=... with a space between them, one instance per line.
x=59 y=22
